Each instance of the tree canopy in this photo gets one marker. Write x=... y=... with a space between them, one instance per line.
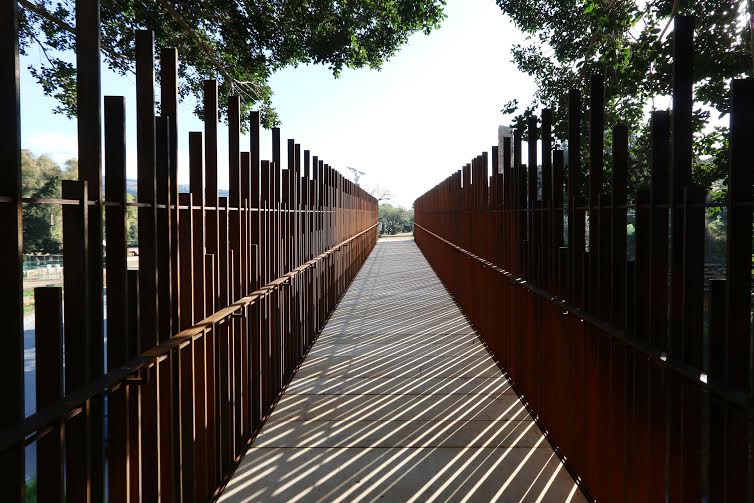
x=42 y=179
x=395 y=219
x=240 y=43
x=43 y=223
x=630 y=42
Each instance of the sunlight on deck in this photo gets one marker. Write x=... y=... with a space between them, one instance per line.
x=399 y=401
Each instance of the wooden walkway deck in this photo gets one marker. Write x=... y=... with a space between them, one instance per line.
x=399 y=401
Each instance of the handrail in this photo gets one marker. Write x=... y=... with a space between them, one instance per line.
x=38 y=424
x=664 y=359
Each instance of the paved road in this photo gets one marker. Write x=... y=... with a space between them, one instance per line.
x=399 y=401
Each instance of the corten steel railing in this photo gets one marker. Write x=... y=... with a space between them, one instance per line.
x=229 y=295
x=643 y=400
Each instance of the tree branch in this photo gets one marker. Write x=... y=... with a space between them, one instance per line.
x=60 y=23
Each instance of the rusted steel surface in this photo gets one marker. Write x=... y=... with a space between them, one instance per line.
x=644 y=399
x=229 y=296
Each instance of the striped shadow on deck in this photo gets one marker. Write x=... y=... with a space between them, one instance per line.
x=399 y=401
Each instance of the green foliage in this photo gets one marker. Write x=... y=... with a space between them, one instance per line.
x=394 y=219
x=30 y=491
x=630 y=42
x=132 y=222
x=240 y=43
x=42 y=178
x=716 y=224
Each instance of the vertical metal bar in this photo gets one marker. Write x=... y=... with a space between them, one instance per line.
x=187 y=400
x=117 y=293
x=11 y=251
x=145 y=152
x=738 y=281
x=167 y=424
x=665 y=465
x=547 y=209
x=692 y=324
x=717 y=328
x=185 y=241
x=150 y=445
x=242 y=409
x=115 y=191
x=48 y=343
x=739 y=232
x=557 y=216
x=255 y=333
x=77 y=363
x=618 y=226
x=210 y=365
x=210 y=169
x=575 y=217
x=692 y=329
x=641 y=323
x=132 y=405
x=88 y=117
x=234 y=268
x=161 y=468
x=212 y=222
x=531 y=184
x=169 y=110
x=596 y=160
x=717 y=406
x=199 y=440
x=681 y=157
x=163 y=248
x=196 y=176
x=221 y=342
x=657 y=294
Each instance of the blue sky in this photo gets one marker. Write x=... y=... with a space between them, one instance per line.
x=429 y=110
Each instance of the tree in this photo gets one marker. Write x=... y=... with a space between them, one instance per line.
x=240 y=43
x=132 y=222
x=394 y=219
x=41 y=179
x=630 y=42
x=379 y=193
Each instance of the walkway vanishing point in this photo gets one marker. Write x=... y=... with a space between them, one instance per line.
x=398 y=400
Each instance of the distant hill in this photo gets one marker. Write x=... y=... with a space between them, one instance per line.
x=131 y=185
